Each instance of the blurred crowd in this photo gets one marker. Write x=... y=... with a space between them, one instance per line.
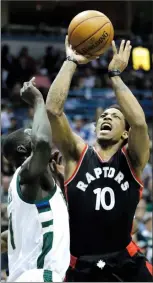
x=15 y=114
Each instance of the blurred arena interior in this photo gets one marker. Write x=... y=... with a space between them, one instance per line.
x=33 y=34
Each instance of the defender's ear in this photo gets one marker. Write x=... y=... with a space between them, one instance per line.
x=21 y=149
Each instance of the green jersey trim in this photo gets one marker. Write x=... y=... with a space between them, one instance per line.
x=47 y=276
x=33 y=202
x=11 y=232
x=47 y=230
x=47 y=245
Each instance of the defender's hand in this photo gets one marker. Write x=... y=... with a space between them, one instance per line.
x=29 y=93
x=121 y=58
x=81 y=59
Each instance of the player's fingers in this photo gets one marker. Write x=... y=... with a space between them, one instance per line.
x=33 y=79
x=127 y=45
x=25 y=86
x=127 y=50
x=114 y=47
x=122 y=46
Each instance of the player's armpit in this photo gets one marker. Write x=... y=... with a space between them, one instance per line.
x=138 y=146
x=70 y=144
x=4 y=238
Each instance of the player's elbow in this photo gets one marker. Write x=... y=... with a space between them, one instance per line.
x=43 y=142
x=141 y=123
x=53 y=111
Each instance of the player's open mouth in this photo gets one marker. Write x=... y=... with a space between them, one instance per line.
x=106 y=127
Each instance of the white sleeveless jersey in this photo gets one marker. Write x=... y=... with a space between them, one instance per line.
x=38 y=235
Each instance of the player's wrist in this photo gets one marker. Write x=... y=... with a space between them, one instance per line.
x=71 y=59
x=114 y=73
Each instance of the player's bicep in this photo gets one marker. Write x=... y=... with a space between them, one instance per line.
x=64 y=138
x=138 y=145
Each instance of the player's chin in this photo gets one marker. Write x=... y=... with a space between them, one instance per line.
x=104 y=135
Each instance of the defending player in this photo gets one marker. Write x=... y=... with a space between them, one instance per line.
x=103 y=183
x=38 y=242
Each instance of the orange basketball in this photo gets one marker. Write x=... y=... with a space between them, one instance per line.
x=90 y=33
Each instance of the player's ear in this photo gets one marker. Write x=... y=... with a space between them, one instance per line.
x=125 y=135
x=21 y=149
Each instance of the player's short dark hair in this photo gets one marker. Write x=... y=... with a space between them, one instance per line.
x=16 y=145
x=116 y=106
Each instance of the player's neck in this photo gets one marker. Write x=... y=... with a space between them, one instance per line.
x=107 y=150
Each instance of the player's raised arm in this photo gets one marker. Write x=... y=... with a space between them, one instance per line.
x=138 y=140
x=41 y=136
x=69 y=144
x=4 y=238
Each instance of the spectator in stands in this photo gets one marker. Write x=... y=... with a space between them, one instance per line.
x=4 y=218
x=6 y=114
x=78 y=123
x=14 y=125
x=6 y=58
x=41 y=76
x=89 y=128
x=50 y=58
x=4 y=189
x=145 y=236
x=147 y=180
x=89 y=78
x=15 y=95
x=20 y=71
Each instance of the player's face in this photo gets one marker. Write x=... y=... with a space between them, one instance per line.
x=111 y=126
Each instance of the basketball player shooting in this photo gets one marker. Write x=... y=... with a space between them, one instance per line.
x=103 y=183
x=38 y=238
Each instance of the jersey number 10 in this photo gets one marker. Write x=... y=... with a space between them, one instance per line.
x=101 y=198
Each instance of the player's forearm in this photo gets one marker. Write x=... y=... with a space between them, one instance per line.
x=41 y=129
x=131 y=108
x=58 y=91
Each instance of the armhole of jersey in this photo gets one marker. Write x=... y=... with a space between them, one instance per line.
x=20 y=195
x=137 y=179
x=77 y=166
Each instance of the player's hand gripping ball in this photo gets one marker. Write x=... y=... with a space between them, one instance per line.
x=81 y=59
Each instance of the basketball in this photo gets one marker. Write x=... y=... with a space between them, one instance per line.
x=90 y=33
